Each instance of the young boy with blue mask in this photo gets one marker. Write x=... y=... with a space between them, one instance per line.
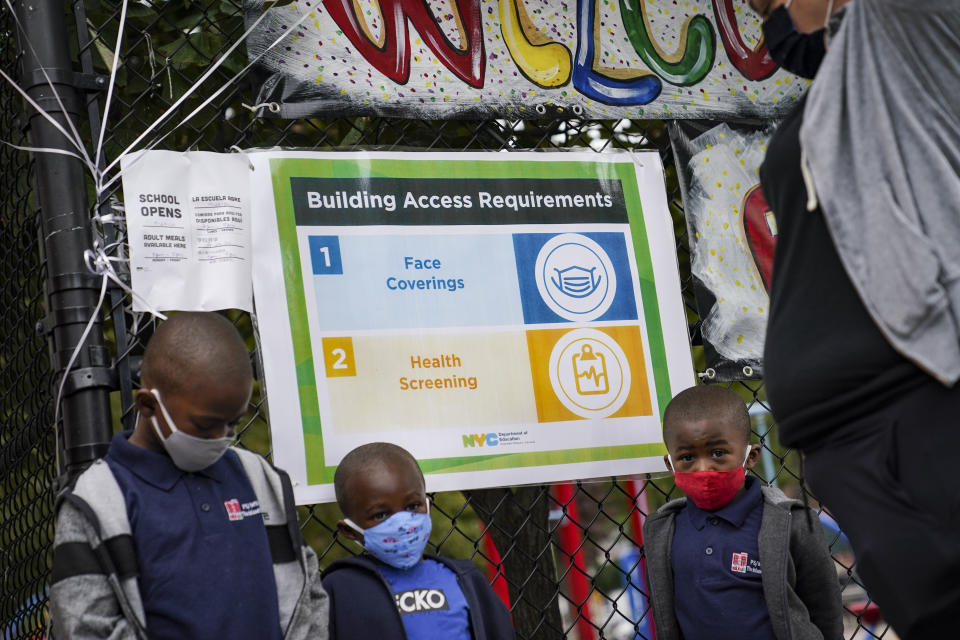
x=175 y=534
x=394 y=590
x=734 y=560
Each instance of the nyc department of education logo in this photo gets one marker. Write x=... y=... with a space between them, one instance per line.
x=575 y=277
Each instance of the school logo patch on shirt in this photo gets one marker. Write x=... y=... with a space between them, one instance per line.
x=237 y=511
x=417 y=600
x=741 y=563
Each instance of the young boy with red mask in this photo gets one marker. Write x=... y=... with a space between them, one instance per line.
x=734 y=560
x=394 y=591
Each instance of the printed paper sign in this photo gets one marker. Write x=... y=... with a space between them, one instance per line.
x=188 y=222
x=507 y=318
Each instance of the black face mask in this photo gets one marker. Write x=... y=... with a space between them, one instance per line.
x=798 y=53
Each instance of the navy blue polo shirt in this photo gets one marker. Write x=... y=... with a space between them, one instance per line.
x=202 y=550
x=718 y=593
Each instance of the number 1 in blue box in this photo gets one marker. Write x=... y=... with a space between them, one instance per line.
x=325 y=255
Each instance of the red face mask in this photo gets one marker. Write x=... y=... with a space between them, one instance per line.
x=711 y=490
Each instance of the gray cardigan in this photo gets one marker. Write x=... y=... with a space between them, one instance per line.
x=799 y=580
x=99 y=597
x=880 y=138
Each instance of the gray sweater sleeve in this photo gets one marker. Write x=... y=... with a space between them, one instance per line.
x=303 y=603
x=310 y=618
x=83 y=602
x=817 y=585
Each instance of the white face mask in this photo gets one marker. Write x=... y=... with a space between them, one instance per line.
x=188 y=453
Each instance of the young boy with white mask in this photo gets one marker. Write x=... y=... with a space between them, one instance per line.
x=175 y=534
x=734 y=560
x=394 y=590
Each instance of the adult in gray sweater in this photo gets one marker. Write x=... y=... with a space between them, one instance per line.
x=862 y=352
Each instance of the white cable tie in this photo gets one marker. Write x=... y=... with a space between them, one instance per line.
x=76 y=349
x=49 y=118
x=135 y=326
x=62 y=152
x=273 y=107
x=209 y=72
x=76 y=140
x=151 y=55
x=110 y=86
x=233 y=80
x=634 y=157
x=98 y=262
x=237 y=149
x=111 y=247
x=95 y=262
x=202 y=105
x=116 y=216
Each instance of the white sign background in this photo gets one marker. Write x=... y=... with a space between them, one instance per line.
x=439 y=441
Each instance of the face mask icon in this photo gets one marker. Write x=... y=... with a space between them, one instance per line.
x=575 y=281
x=575 y=277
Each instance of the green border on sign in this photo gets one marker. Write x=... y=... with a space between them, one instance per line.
x=282 y=169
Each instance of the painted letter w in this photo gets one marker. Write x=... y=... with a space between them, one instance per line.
x=391 y=54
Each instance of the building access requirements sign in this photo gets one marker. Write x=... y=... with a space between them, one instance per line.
x=507 y=318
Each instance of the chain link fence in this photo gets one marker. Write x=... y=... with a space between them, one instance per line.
x=567 y=557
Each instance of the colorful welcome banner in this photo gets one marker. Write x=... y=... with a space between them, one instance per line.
x=507 y=318
x=517 y=58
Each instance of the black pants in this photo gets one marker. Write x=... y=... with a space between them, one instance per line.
x=892 y=480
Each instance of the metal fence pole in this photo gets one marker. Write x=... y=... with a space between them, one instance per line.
x=71 y=290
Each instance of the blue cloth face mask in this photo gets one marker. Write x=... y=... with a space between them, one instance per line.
x=399 y=540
